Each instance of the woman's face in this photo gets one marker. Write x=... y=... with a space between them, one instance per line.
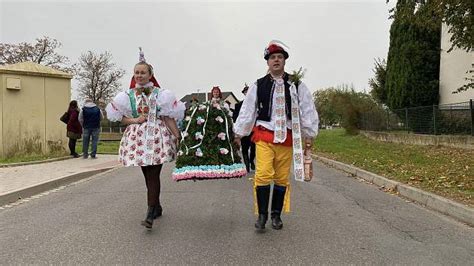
x=141 y=74
x=215 y=93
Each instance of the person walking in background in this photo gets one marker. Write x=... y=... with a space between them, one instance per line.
x=90 y=117
x=246 y=142
x=280 y=110
x=151 y=136
x=74 y=128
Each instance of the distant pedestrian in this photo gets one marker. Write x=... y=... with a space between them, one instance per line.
x=74 y=128
x=90 y=117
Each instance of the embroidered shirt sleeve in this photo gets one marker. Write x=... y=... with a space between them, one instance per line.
x=308 y=115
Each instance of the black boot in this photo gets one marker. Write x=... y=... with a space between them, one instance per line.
x=263 y=195
x=277 y=206
x=158 y=212
x=148 y=222
x=246 y=162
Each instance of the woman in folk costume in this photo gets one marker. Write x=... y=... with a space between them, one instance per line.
x=280 y=111
x=207 y=149
x=151 y=135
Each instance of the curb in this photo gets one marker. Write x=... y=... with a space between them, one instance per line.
x=35 y=162
x=451 y=208
x=13 y=196
x=47 y=160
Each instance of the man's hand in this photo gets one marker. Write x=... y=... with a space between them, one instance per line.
x=308 y=143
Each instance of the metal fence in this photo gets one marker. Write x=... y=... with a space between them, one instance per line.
x=111 y=127
x=446 y=119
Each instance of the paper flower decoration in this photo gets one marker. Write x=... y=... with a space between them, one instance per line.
x=219 y=119
x=200 y=120
x=223 y=151
x=188 y=118
x=198 y=152
x=202 y=107
x=180 y=152
x=198 y=136
x=221 y=136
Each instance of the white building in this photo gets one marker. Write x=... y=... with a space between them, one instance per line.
x=454 y=68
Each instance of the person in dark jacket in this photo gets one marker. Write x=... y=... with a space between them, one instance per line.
x=90 y=117
x=74 y=128
x=246 y=142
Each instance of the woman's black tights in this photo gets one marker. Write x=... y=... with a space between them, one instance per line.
x=72 y=146
x=152 y=179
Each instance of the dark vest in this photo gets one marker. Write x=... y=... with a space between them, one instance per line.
x=265 y=96
x=91 y=117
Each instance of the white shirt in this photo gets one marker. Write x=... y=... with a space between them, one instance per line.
x=309 y=120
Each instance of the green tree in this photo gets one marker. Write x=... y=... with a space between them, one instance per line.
x=413 y=58
x=377 y=83
x=343 y=105
x=43 y=51
x=457 y=14
x=98 y=76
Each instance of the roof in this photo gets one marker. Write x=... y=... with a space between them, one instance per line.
x=201 y=96
x=31 y=68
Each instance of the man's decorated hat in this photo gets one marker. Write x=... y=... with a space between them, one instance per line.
x=275 y=47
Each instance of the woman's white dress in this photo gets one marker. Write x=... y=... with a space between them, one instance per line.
x=149 y=143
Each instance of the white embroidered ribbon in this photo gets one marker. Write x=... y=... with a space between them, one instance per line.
x=150 y=126
x=296 y=132
x=203 y=129
x=280 y=115
x=186 y=130
x=228 y=136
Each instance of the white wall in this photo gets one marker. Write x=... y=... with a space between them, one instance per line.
x=453 y=68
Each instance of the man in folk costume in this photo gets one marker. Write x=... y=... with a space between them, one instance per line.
x=280 y=111
x=246 y=142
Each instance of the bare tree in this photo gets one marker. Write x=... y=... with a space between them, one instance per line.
x=98 y=76
x=42 y=52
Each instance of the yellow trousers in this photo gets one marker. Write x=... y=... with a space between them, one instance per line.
x=273 y=165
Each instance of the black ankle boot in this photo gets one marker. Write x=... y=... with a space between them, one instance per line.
x=277 y=206
x=261 y=221
x=263 y=195
x=148 y=222
x=158 y=212
x=277 y=223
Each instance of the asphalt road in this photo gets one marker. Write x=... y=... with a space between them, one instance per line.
x=335 y=219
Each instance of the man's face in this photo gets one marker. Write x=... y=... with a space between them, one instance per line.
x=276 y=62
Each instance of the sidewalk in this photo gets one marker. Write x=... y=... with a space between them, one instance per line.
x=27 y=180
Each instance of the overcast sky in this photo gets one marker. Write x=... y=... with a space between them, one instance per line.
x=198 y=44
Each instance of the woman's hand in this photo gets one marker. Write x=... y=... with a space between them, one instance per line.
x=140 y=120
